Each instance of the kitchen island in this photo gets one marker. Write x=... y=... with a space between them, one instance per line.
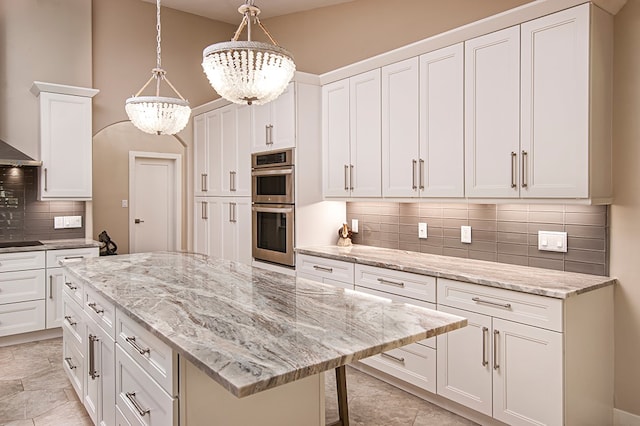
x=245 y=344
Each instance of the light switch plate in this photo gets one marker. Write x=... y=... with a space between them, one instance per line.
x=58 y=222
x=552 y=241
x=422 y=230
x=354 y=226
x=465 y=234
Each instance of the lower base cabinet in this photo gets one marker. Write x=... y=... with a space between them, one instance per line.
x=98 y=396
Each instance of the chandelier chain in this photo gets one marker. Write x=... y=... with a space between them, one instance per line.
x=158 y=37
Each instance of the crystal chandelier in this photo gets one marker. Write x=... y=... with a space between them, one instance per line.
x=248 y=72
x=158 y=114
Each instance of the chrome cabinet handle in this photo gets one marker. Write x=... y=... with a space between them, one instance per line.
x=45 y=179
x=395 y=283
x=69 y=319
x=50 y=286
x=205 y=213
x=413 y=175
x=93 y=305
x=513 y=170
x=485 y=336
x=489 y=302
x=131 y=396
x=496 y=335
x=73 y=257
x=421 y=174
x=232 y=213
x=204 y=184
x=322 y=268
x=92 y=352
x=232 y=181
x=137 y=347
x=394 y=358
x=71 y=366
x=70 y=285
x=346 y=177
x=351 y=177
x=523 y=170
x=269 y=134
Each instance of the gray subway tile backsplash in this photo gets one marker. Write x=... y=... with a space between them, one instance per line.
x=504 y=233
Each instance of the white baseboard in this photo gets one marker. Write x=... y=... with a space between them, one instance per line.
x=624 y=418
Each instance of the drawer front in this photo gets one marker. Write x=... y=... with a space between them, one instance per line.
x=69 y=255
x=21 y=286
x=21 y=317
x=153 y=355
x=22 y=261
x=135 y=387
x=73 y=363
x=414 y=286
x=539 y=311
x=415 y=364
x=325 y=280
x=431 y=342
x=325 y=268
x=72 y=323
x=101 y=311
x=121 y=420
x=74 y=289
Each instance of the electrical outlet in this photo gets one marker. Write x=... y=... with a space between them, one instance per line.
x=552 y=241
x=422 y=230
x=72 y=221
x=58 y=222
x=354 y=226
x=465 y=234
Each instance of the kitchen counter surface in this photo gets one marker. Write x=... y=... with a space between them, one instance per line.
x=524 y=279
x=251 y=329
x=54 y=245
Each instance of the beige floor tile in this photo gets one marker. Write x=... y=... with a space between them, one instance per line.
x=29 y=404
x=52 y=378
x=72 y=413
x=10 y=387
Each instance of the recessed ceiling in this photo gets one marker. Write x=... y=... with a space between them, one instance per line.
x=227 y=10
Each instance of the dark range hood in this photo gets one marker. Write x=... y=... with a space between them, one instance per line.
x=10 y=156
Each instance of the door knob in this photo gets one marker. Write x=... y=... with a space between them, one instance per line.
x=138 y=221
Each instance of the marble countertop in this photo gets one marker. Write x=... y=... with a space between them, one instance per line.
x=544 y=282
x=62 y=244
x=251 y=329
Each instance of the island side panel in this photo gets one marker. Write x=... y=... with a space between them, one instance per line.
x=203 y=401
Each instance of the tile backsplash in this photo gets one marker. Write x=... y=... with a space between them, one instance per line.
x=23 y=217
x=506 y=233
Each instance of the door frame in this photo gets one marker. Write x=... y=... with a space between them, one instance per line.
x=177 y=193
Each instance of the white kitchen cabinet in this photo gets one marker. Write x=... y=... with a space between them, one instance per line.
x=65 y=141
x=351 y=136
x=274 y=123
x=200 y=155
x=327 y=271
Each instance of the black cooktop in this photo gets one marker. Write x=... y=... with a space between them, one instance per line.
x=6 y=244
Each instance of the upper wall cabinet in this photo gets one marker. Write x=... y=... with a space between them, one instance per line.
x=351 y=136
x=274 y=123
x=65 y=141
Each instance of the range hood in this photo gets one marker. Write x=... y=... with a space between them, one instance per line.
x=10 y=156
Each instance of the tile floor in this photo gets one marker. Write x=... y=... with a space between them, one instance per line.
x=34 y=391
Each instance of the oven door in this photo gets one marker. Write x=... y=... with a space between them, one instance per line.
x=272 y=185
x=273 y=233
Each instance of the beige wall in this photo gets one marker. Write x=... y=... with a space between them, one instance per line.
x=625 y=212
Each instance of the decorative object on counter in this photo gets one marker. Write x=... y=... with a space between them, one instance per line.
x=109 y=248
x=248 y=72
x=158 y=114
x=344 y=236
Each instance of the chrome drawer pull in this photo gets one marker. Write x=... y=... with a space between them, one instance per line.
x=71 y=366
x=346 y=177
x=50 y=286
x=93 y=306
x=131 y=396
x=489 y=302
x=413 y=174
x=70 y=285
x=322 y=268
x=73 y=257
x=396 y=283
x=513 y=169
x=496 y=335
x=69 y=320
x=394 y=358
x=485 y=336
x=137 y=347
x=92 y=362
x=523 y=171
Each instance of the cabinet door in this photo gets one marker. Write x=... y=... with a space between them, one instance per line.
x=226 y=160
x=99 y=392
x=400 y=129
x=464 y=362
x=555 y=105
x=283 y=119
x=65 y=146
x=492 y=120
x=527 y=374
x=54 y=308
x=241 y=180
x=215 y=217
x=236 y=230
x=441 y=123
x=261 y=132
x=213 y=180
x=200 y=155
x=335 y=139
x=201 y=221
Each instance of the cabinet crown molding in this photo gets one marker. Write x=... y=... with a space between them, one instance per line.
x=40 y=86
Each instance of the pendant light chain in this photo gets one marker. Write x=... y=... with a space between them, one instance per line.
x=159 y=36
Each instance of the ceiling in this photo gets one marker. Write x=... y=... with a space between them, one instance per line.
x=227 y=10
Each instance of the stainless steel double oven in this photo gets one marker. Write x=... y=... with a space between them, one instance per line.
x=273 y=206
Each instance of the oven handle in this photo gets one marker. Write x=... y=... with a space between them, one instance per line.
x=286 y=171
x=272 y=209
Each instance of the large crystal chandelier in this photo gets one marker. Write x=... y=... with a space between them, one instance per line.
x=248 y=72
x=158 y=114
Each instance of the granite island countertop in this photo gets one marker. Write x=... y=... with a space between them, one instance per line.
x=251 y=329
x=525 y=279
x=62 y=244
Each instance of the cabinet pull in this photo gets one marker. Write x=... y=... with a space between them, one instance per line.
x=421 y=174
x=203 y=183
x=232 y=213
x=346 y=177
x=523 y=170
x=322 y=268
x=489 y=302
x=232 y=181
x=413 y=175
x=351 y=177
x=92 y=362
x=70 y=285
x=485 y=337
x=73 y=257
x=45 y=179
x=71 y=366
x=513 y=170
x=131 y=396
x=394 y=358
x=269 y=134
x=69 y=319
x=496 y=335
x=50 y=286
x=94 y=306
x=137 y=347
x=395 y=283
x=205 y=213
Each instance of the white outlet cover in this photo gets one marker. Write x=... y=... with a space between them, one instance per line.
x=465 y=234
x=422 y=230
x=58 y=222
x=354 y=226
x=552 y=241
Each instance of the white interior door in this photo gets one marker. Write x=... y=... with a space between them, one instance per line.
x=154 y=202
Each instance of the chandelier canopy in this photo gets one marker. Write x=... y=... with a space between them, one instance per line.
x=158 y=114
x=248 y=72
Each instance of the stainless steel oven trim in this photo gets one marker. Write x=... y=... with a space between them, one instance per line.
x=288 y=198
x=287 y=258
x=289 y=160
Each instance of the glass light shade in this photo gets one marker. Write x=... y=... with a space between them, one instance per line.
x=158 y=115
x=248 y=72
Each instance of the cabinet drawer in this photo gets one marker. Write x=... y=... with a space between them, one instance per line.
x=414 y=286
x=320 y=267
x=134 y=386
x=325 y=280
x=153 y=355
x=21 y=261
x=21 y=317
x=539 y=311
x=69 y=255
x=415 y=364
x=74 y=289
x=101 y=311
x=73 y=363
x=72 y=323
x=21 y=286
